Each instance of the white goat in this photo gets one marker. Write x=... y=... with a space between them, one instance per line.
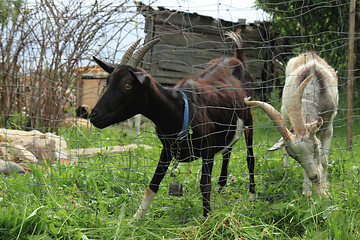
x=309 y=105
x=134 y=124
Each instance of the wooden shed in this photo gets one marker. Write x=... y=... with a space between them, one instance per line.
x=188 y=41
x=90 y=85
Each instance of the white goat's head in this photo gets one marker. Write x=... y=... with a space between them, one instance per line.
x=301 y=144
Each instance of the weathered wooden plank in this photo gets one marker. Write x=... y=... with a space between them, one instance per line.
x=257 y=32
x=188 y=43
x=189 y=21
x=184 y=57
x=174 y=73
x=167 y=80
x=181 y=38
x=180 y=64
x=250 y=32
x=187 y=55
x=214 y=49
x=199 y=58
x=192 y=40
x=179 y=67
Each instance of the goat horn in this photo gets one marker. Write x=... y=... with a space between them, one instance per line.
x=236 y=37
x=129 y=52
x=295 y=108
x=139 y=54
x=274 y=115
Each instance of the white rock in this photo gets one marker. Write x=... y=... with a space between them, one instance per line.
x=20 y=152
x=8 y=167
x=42 y=148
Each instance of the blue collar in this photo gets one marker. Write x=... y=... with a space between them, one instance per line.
x=185 y=125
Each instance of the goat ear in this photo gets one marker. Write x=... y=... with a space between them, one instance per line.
x=279 y=144
x=106 y=66
x=314 y=126
x=139 y=76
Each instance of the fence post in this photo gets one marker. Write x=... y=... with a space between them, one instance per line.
x=350 y=88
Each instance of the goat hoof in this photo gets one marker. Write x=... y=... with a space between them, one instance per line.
x=306 y=194
x=323 y=193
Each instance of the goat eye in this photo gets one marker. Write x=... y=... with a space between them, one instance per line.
x=128 y=86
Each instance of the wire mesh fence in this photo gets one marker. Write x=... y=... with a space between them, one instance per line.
x=59 y=171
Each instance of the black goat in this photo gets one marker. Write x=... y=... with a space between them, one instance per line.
x=211 y=104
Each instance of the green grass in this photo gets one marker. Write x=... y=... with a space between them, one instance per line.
x=96 y=198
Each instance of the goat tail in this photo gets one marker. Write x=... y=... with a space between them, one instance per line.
x=239 y=48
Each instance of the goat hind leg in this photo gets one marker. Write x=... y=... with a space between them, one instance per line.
x=249 y=134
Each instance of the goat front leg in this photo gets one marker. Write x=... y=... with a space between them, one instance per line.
x=323 y=181
x=148 y=197
x=151 y=191
x=307 y=191
x=286 y=159
x=322 y=186
x=205 y=184
x=319 y=183
x=326 y=141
